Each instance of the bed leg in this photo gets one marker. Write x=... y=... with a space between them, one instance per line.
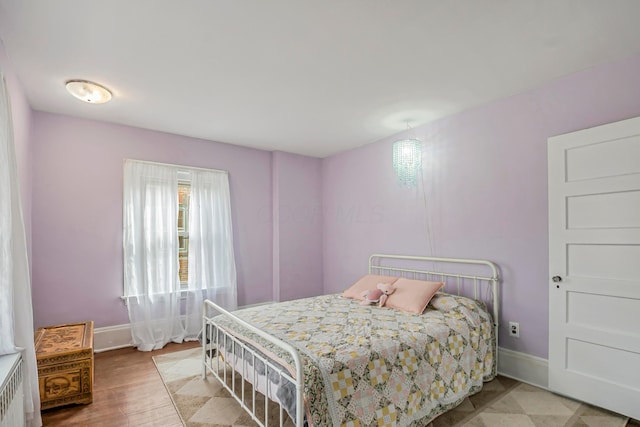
x=204 y=340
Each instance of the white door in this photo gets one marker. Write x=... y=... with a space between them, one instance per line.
x=594 y=265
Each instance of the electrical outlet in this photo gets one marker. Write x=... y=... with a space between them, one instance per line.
x=514 y=329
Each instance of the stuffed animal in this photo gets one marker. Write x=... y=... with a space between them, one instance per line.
x=379 y=295
x=386 y=289
x=371 y=297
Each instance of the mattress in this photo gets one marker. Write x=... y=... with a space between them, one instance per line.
x=372 y=366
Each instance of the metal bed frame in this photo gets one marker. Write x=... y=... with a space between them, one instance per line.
x=383 y=264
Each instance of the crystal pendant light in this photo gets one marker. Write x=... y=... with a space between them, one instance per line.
x=407 y=161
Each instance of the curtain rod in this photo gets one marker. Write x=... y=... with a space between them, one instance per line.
x=177 y=166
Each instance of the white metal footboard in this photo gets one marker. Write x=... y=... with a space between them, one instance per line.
x=220 y=342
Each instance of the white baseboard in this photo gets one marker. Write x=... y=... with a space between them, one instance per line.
x=111 y=338
x=523 y=367
x=257 y=304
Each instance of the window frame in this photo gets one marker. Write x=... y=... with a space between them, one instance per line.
x=183 y=231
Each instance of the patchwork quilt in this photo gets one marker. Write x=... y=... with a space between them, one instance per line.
x=372 y=366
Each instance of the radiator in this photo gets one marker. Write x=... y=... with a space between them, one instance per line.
x=11 y=391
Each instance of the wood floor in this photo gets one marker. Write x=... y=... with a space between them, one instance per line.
x=127 y=392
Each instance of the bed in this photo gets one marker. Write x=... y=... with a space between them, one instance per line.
x=331 y=361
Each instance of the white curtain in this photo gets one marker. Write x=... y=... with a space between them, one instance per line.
x=7 y=182
x=150 y=244
x=16 y=310
x=212 y=268
x=159 y=310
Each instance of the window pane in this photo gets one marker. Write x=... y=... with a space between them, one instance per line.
x=183 y=218
x=184 y=190
x=184 y=268
x=183 y=245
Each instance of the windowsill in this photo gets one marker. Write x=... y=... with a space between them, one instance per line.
x=125 y=298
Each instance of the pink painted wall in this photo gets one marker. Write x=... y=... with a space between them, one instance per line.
x=77 y=213
x=297 y=219
x=21 y=114
x=483 y=191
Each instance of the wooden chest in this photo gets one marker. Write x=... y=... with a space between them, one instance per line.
x=65 y=364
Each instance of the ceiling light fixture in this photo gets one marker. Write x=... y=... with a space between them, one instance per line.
x=407 y=160
x=87 y=91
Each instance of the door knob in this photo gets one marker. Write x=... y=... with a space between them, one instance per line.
x=556 y=279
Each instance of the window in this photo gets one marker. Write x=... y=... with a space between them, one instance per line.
x=184 y=196
x=177 y=249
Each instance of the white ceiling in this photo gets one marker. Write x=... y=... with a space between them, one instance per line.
x=313 y=77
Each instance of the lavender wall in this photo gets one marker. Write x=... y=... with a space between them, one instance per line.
x=483 y=191
x=297 y=219
x=77 y=213
x=21 y=114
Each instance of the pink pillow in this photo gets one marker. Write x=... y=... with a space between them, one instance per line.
x=366 y=283
x=413 y=295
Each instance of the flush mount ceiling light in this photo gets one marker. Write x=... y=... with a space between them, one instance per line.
x=90 y=92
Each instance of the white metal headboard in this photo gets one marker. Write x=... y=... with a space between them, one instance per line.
x=461 y=273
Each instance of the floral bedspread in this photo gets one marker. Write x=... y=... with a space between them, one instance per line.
x=371 y=366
